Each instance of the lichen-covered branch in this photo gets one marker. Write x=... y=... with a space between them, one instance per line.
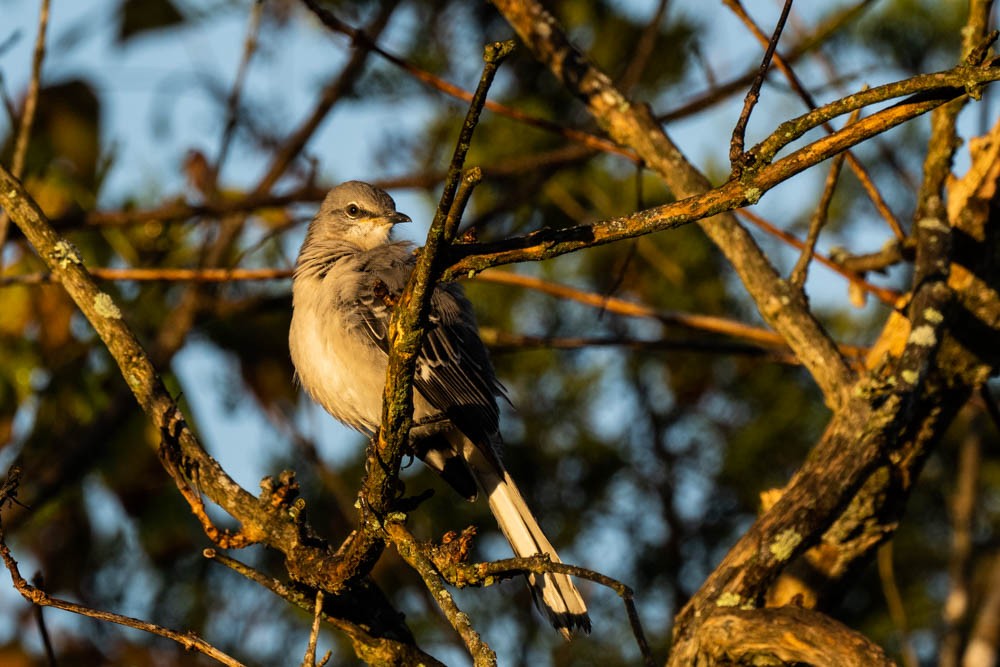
x=633 y=125
x=307 y=558
x=784 y=636
x=380 y=489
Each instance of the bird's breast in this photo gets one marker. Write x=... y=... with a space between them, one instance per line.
x=336 y=364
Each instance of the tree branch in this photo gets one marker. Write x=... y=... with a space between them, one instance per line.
x=307 y=558
x=40 y=598
x=27 y=115
x=784 y=636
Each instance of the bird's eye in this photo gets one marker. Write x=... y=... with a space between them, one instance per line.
x=353 y=210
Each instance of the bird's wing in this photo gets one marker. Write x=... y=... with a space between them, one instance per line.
x=454 y=373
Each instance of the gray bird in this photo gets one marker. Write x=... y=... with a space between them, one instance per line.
x=346 y=277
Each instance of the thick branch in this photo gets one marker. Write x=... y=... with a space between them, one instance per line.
x=306 y=558
x=785 y=636
x=632 y=125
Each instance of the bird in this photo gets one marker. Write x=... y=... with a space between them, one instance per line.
x=347 y=275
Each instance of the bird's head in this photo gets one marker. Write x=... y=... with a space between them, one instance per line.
x=359 y=213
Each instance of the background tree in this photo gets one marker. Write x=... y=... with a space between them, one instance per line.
x=769 y=424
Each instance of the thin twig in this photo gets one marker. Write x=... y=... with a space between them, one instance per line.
x=163 y=274
x=233 y=102
x=37 y=596
x=887 y=296
x=470 y=179
x=785 y=67
x=718 y=92
x=410 y=550
x=708 y=323
x=331 y=94
x=739 y=131
x=43 y=631
x=801 y=270
x=480 y=574
x=890 y=254
x=499 y=341
x=644 y=48
x=310 y=657
x=439 y=84
x=27 y=117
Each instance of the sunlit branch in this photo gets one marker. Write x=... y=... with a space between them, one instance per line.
x=27 y=115
x=785 y=67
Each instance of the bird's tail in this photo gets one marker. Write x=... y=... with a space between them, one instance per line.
x=554 y=594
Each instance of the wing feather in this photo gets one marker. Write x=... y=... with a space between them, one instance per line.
x=454 y=373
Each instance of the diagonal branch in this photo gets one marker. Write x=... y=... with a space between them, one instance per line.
x=633 y=125
x=306 y=558
x=739 y=132
x=27 y=116
x=785 y=67
x=38 y=597
x=380 y=490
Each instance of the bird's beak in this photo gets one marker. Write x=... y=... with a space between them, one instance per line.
x=398 y=217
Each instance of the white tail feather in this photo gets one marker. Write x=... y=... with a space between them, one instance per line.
x=555 y=594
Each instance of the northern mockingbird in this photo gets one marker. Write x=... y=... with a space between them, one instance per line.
x=346 y=276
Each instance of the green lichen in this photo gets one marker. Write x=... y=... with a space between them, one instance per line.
x=933 y=316
x=909 y=376
x=728 y=599
x=105 y=307
x=932 y=225
x=65 y=253
x=923 y=336
x=785 y=544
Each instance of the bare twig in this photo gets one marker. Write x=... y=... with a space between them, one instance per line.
x=409 y=549
x=306 y=601
x=163 y=274
x=37 y=596
x=644 y=48
x=233 y=102
x=885 y=295
x=503 y=340
x=310 y=657
x=485 y=574
x=332 y=93
x=819 y=216
x=785 y=67
x=739 y=131
x=470 y=179
x=892 y=253
x=27 y=116
x=43 y=631
x=361 y=37
x=706 y=323
x=717 y=92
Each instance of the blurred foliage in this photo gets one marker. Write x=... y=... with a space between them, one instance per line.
x=644 y=463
